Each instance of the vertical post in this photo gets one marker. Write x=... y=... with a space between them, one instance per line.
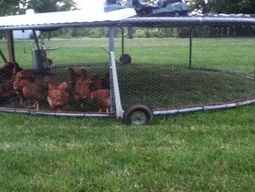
x=110 y=48
x=122 y=41
x=114 y=83
x=190 y=47
x=36 y=40
x=3 y=57
x=130 y=32
x=38 y=63
x=10 y=46
x=111 y=39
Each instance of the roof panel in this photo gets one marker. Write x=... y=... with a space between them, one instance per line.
x=63 y=18
x=123 y=17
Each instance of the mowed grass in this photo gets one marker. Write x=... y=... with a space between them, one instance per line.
x=200 y=152
x=211 y=151
x=214 y=53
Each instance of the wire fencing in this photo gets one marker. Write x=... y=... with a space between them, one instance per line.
x=187 y=70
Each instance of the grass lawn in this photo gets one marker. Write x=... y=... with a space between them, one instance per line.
x=198 y=152
x=218 y=53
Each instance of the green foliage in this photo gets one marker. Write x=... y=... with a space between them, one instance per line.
x=233 y=6
x=50 y=5
x=8 y=7
x=226 y=6
x=19 y=6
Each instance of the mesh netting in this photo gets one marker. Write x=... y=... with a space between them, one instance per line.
x=79 y=54
x=161 y=75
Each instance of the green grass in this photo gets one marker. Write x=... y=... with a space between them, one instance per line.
x=219 y=53
x=199 y=152
x=196 y=152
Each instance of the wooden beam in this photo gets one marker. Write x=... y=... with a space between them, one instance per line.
x=10 y=46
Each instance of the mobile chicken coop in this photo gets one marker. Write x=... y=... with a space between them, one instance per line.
x=132 y=95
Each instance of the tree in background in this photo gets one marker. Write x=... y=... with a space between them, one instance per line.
x=224 y=6
x=11 y=7
x=41 y=6
x=8 y=7
x=233 y=6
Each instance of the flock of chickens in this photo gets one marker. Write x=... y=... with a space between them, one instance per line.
x=37 y=88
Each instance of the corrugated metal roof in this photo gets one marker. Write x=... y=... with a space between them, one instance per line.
x=58 y=19
x=123 y=17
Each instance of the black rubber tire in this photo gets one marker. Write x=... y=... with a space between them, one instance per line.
x=125 y=59
x=138 y=115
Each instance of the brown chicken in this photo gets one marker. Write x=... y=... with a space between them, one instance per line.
x=97 y=83
x=80 y=84
x=8 y=70
x=32 y=86
x=58 y=95
x=103 y=99
x=82 y=89
x=7 y=76
x=6 y=89
x=33 y=91
x=100 y=83
x=22 y=75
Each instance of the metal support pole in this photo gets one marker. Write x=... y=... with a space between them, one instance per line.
x=38 y=55
x=3 y=57
x=190 y=47
x=114 y=83
x=10 y=46
x=111 y=39
x=122 y=41
x=111 y=47
x=36 y=40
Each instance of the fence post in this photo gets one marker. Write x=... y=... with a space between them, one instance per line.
x=10 y=46
x=190 y=47
x=122 y=41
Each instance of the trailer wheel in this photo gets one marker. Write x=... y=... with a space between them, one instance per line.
x=126 y=59
x=138 y=115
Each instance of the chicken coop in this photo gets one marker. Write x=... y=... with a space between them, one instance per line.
x=141 y=67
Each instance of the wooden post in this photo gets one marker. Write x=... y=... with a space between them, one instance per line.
x=10 y=46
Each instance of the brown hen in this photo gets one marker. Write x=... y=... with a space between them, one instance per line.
x=58 y=95
x=103 y=99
